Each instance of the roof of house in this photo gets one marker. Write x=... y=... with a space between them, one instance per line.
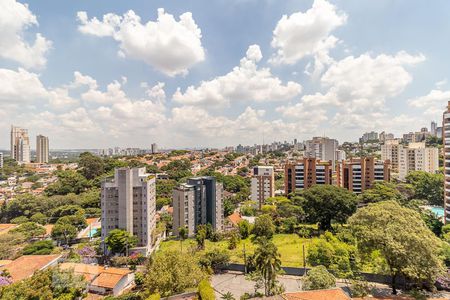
x=235 y=218
x=90 y=221
x=335 y=294
x=98 y=275
x=25 y=266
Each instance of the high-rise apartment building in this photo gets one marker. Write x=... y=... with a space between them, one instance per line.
x=322 y=148
x=198 y=201
x=360 y=174
x=20 y=144
x=41 y=149
x=262 y=184
x=418 y=157
x=446 y=138
x=128 y=203
x=414 y=157
x=433 y=128
x=369 y=136
x=154 y=148
x=306 y=173
x=1 y=160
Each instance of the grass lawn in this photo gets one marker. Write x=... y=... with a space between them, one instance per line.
x=290 y=247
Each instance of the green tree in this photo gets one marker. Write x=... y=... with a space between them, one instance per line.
x=30 y=230
x=68 y=182
x=19 y=220
x=182 y=234
x=427 y=186
x=234 y=239
x=200 y=236
x=52 y=283
x=403 y=239
x=326 y=203
x=64 y=232
x=215 y=260
x=39 y=248
x=39 y=218
x=318 y=278
x=264 y=227
x=119 y=241
x=245 y=228
x=160 y=202
x=381 y=191
x=171 y=272
x=90 y=165
x=333 y=254
x=268 y=264
x=228 y=207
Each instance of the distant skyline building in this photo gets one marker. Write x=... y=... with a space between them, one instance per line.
x=322 y=148
x=1 y=160
x=154 y=148
x=199 y=201
x=128 y=202
x=433 y=128
x=262 y=184
x=360 y=174
x=369 y=136
x=20 y=144
x=446 y=142
x=305 y=173
x=42 y=147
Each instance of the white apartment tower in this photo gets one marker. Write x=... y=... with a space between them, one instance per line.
x=41 y=149
x=20 y=144
x=414 y=157
x=322 y=148
x=1 y=160
x=128 y=203
x=446 y=139
x=199 y=201
x=262 y=184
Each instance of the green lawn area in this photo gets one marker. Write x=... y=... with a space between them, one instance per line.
x=290 y=247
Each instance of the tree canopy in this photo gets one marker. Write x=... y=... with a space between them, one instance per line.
x=403 y=239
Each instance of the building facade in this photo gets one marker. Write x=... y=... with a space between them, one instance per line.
x=20 y=144
x=414 y=157
x=128 y=202
x=418 y=157
x=446 y=139
x=360 y=174
x=262 y=184
x=1 y=160
x=41 y=149
x=306 y=173
x=198 y=202
x=154 y=148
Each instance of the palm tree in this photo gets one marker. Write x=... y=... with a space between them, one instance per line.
x=268 y=263
x=182 y=232
x=228 y=296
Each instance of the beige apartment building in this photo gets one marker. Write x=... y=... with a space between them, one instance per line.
x=42 y=149
x=262 y=184
x=198 y=202
x=306 y=173
x=414 y=157
x=128 y=202
x=446 y=139
x=359 y=174
x=20 y=145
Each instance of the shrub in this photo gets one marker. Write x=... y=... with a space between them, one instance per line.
x=318 y=278
x=39 y=248
x=154 y=297
x=205 y=290
x=216 y=260
x=360 y=288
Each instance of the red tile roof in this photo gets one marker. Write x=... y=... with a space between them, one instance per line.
x=25 y=266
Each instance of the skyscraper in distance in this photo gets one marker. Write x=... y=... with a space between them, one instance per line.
x=41 y=149
x=446 y=141
x=20 y=144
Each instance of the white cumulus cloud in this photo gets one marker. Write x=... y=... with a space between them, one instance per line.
x=168 y=45
x=15 y=18
x=307 y=34
x=245 y=82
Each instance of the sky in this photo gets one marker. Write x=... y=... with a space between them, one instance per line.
x=98 y=74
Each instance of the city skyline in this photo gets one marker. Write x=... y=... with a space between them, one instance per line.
x=243 y=76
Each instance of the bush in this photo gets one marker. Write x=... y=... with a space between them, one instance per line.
x=39 y=248
x=215 y=260
x=154 y=297
x=318 y=278
x=360 y=288
x=205 y=290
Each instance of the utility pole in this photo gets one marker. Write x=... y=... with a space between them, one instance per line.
x=245 y=261
x=304 y=260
